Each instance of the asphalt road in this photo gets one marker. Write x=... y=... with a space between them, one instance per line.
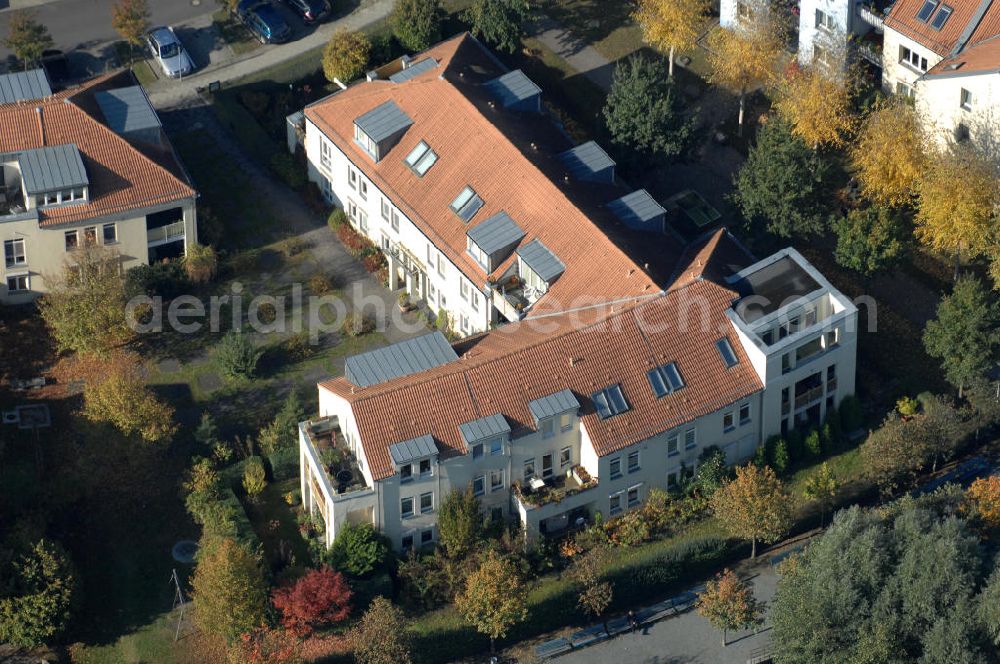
x=86 y=24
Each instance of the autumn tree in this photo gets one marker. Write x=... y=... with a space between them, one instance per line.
x=817 y=104
x=26 y=37
x=888 y=153
x=117 y=395
x=36 y=596
x=957 y=197
x=671 y=25
x=745 y=55
x=85 y=306
x=753 y=506
x=644 y=111
x=321 y=597
x=984 y=497
x=494 y=599
x=499 y=22
x=130 y=19
x=417 y=23
x=728 y=603
x=254 y=478
x=200 y=263
x=346 y=56
x=229 y=590
x=783 y=185
x=380 y=636
x=595 y=593
x=871 y=239
x=821 y=487
x=265 y=646
x=460 y=523
x=965 y=334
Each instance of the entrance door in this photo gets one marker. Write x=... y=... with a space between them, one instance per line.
x=547 y=466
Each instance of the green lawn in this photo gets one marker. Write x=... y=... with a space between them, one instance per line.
x=233 y=33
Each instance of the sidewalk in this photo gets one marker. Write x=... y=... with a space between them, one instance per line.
x=171 y=93
x=581 y=56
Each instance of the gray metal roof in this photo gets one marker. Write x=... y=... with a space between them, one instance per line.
x=383 y=121
x=512 y=87
x=52 y=168
x=586 y=160
x=496 y=233
x=483 y=428
x=420 y=447
x=415 y=69
x=553 y=404
x=542 y=262
x=24 y=85
x=637 y=209
x=127 y=109
x=399 y=359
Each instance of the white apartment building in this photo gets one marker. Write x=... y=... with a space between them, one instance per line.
x=550 y=422
x=88 y=166
x=439 y=159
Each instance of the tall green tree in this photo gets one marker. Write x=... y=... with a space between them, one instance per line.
x=460 y=523
x=964 y=335
x=36 y=596
x=494 y=598
x=499 y=22
x=871 y=240
x=229 y=590
x=358 y=549
x=417 y=23
x=783 y=185
x=645 y=113
x=26 y=37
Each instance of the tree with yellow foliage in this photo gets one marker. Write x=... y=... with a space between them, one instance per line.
x=956 y=200
x=818 y=105
x=889 y=153
x=745 y=55
x=117 y=395
x=984 y=497
x=753 y=506
x=671 y=25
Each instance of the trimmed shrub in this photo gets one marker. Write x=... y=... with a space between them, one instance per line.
x=356 y=324
x=254 y=477
x=201 y=263
x=358 y=550
x=165 y=279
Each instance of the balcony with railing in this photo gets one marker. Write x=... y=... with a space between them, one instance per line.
x=809 y=396
x=873 y=13
x=334 y=455
x=165 y=234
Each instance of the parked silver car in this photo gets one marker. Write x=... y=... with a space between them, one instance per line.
x=169 y=52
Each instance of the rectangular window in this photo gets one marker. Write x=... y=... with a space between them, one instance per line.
x=463 y=289
x=743 y=10
x=13 y=252
x=421 y=158
x=546 y=466
x=615 y=503
x=808 y=350
x=426 y=503
x=18 y=283
x=50 y=198
x=363 y=189
x=903 y=90
x=726 y=351
x=440 y=265
x=477 y=450
x=496 y=480
x=395 y=221
x=565 y=422
x=672 y=444
x=912 y=59
x=941 y=17
x=425 y=467
x=366 y=143
x=352 y=178
x=464 y=322
x=565 y=457
x=426 y=536
x=744 y=414
x=786 y=363
x=407 y=542
x=466 y=204
x=689 y=439
x=548 y=428
x=90 y=236
x=609 y=402
x=633 y=462
x=672 y=478
x=325 y=151
x=821 y=55
x=72 y=240
x=385 y=209
x=110 y=232
x=615 y=467
x=965 y=100
x=475 y=301
x=728 y=422
x=406 y=507
x=633 y=496
x=496 y=447
x=529 y=469
x=824 y=21
x=405 y=473
x=479 y=485
x=926 y=10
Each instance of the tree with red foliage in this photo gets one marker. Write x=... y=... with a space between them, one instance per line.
x=265 y=646
x=320 y=597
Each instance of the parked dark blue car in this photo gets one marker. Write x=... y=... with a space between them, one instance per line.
x=264 y=20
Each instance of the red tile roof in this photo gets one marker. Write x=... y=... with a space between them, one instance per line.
x=121 y=176
x=501 y=371
x=903 y=19
x=452 y=113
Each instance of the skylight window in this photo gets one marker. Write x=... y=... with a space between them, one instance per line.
x=466 y=204
x=726 y=351
x=421 y=158
x=665 y=379
x=926 y=10
x=942 y=15
x=609 y=402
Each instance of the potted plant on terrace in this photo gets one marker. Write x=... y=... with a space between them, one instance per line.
x=404 y=302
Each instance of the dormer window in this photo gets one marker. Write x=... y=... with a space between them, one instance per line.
x=378 y=130
x=466 y=204
x=421 y=158
x=610 y=402
x=365 y=141
x=665 y=379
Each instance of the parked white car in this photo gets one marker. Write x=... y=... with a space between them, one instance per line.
x=169 y=52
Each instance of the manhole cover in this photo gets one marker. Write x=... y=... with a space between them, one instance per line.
x=184 y=551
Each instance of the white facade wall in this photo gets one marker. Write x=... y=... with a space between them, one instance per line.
x=439 y=281
x=939 y=105
x=895 y=72
x=830 y=30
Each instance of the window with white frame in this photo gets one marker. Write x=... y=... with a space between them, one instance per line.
x=744 y=414
x=463 y=320
x=633 y=496
x=728 y=421
x=421 y=158
x=479 y=485
x=385 y=208
x=426 y=502
x=965 y=100
x=365 y=141
x=824 y=21
x=904 y=90
x=672 y=444
x=325 y=152
x=475 y=300
x=633 y=461
x=110 y=233
x=496 y=447
x=615 y=503
x=406 y=473
x=463 y=289
x=440 y=265
x=496 y=480
x=426 y=470
x=72 y=240
x=546 y=466
x=363 y=189
x=406 y=507
x=529 y=468
x=565 y=422
x=18 y=283
x=13 y=252
x=912 y=59
x=689 y=439
x=352 y=178
x=478 y=254
x=615 y=468
x=565 y=457
x=477 y=451
x=394 y=221
x=548 y=428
